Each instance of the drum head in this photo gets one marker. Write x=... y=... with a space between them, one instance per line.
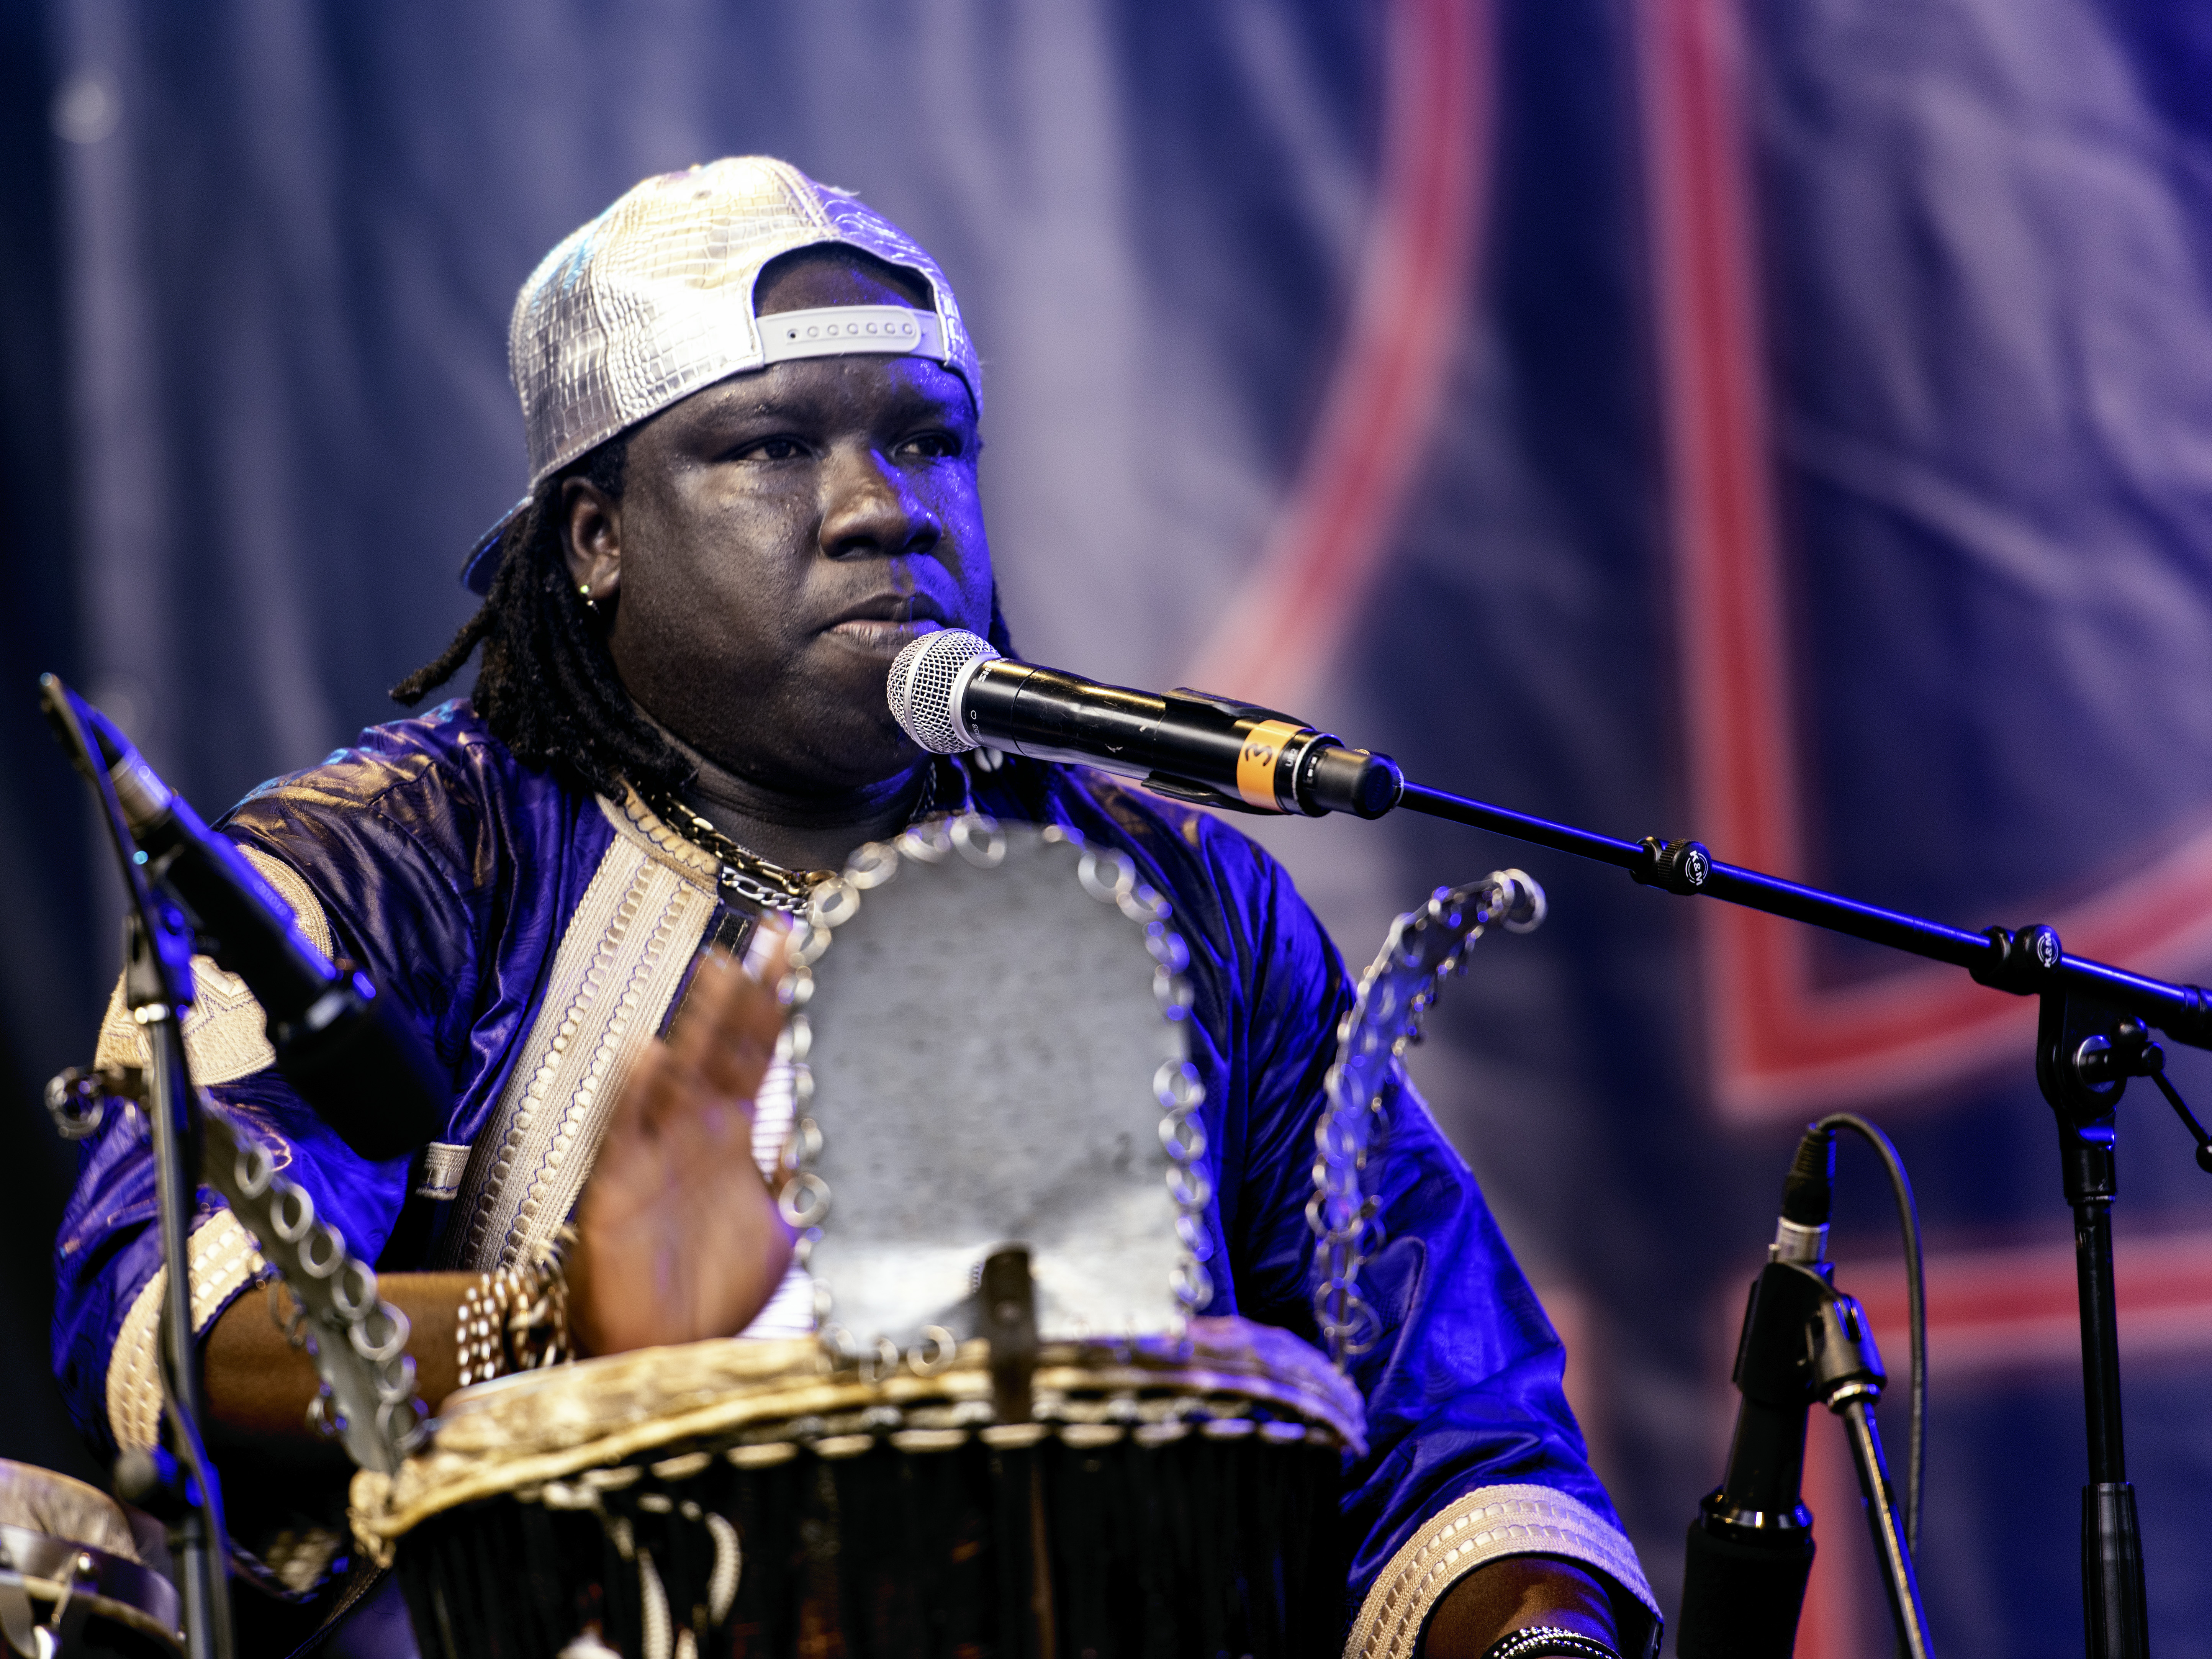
x=989 y=1021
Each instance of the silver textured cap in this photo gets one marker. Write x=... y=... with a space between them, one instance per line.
x=926 y=679
x=654 y=300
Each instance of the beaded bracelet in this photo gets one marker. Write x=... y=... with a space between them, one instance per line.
x=1542 y=1639
x=515 y=1319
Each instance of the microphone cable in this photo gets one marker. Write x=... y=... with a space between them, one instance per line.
x=1916 y=1306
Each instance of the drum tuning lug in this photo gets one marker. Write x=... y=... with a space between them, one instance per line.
x=1007 y=1294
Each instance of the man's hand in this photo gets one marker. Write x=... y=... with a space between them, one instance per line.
x=679 y=1237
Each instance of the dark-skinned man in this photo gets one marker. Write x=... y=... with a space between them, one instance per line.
x=753 y=413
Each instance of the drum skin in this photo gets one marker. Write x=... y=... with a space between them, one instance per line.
x=987 y=1027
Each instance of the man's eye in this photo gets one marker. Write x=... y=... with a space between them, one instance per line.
x=773 y=449
x=932 y=446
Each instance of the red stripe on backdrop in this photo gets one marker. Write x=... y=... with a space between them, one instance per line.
x=1780 y=1044
x=1281 y=630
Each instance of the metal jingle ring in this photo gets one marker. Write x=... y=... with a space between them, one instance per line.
x=879 y=1361
x=1177 y=1087
x=838 y=1348
x=805 y=944
x=1358 y=1336
x=395 y=1377
x=979 y=840
x=873 y=865
x=802 y=1145
x=1189 y=1186
x=815 y=1188
x=398 y=1423
x=1167 y=947
x=292 y=1214
x=323 y=1414
x=394 y=1344
x=796 y=989
x=353 y=1293
x=1125 y=876
x=1192 y=1284
x=331 y=1242
x=836 y=903
x=1173 y=993
x=930 y=841
x=944 y=1349
x=1144 y=905
x=254 y=1169
x=797 y=1039
x=1182 y=1140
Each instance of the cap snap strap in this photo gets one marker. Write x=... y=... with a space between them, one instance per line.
x=846 y=331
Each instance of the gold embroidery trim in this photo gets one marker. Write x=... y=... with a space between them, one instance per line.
x=224 y=1262
x=226 y=1035
x=619 y=962
x=1485 y=1526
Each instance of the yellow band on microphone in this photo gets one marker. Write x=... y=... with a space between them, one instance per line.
x=1255 y=762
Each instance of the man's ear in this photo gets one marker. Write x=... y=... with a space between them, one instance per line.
x=591 y=537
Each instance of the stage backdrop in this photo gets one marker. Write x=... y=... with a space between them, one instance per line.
x=1787 y=425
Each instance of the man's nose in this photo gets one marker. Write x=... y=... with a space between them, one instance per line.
x=871 y=508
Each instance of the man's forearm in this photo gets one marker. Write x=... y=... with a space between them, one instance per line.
x=1511 y=1595
x=259 y=1384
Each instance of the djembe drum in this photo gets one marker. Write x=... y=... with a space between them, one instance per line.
x=988 y=1042
x=73 y=1580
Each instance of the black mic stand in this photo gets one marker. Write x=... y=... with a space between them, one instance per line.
x=157 y=990
x=1805 y=1343
x=2093 y=1035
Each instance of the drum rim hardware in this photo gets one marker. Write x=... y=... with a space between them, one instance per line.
x=108 y=1585
x=532 y=1430
x=1107 y=875
x=1364 y=1082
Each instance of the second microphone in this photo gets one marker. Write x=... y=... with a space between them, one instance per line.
x=951 y=692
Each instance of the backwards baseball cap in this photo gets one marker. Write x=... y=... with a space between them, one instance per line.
x=654 y=300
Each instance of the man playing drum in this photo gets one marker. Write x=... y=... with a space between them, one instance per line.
x=752 y=412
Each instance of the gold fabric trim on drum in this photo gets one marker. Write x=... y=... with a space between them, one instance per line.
x=620 y=961
x=518 y=1432
x=1485 y=1526
x=223 y=1261
x=225 y=1034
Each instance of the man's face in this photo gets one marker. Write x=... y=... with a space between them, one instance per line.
x=782 y=535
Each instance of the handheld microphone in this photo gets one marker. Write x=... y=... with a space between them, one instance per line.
x=1751 y=1547
x=354 y=1056
x=951 y=692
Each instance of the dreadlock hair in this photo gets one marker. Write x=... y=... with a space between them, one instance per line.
x=547 y=686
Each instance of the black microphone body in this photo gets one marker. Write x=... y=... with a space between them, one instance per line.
x=354 y=1056
x=950 y=691
x=1751 y=1547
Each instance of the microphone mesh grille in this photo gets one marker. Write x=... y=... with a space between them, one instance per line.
x=923 y=679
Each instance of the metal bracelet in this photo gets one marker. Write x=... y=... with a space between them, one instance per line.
x=1536 y=1640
